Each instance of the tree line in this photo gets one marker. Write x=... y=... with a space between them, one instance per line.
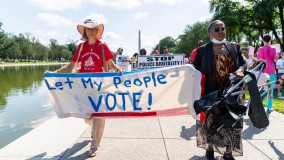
x=25 y=47
x=246 y=22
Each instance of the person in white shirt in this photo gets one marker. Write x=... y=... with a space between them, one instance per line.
x=249 y=59
x=263 y=81
x=280 y=67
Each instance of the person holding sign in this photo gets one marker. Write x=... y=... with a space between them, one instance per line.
x=247 y=57
x=216 y=60
x=165 y=51
x=143 y=52
x=93 y=56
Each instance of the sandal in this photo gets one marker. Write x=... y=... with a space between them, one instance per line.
x=92 y=152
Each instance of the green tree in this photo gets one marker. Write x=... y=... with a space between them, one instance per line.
x=192 y=34
x=249 y=18
x=41 y=52
x=66 y=54
x=54 y=50
x=25 y=46
x=71 y=45
x=167 y=41
x=59 y=52
x=5 y=43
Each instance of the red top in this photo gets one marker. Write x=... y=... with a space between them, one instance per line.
x=91 y=56
x=193 y=53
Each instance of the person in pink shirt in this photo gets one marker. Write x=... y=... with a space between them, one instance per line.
x=269 y=55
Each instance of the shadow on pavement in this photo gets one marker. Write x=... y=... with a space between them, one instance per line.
x=197 y=158
x=41 y=156
x=67 y=154
x=251 y=130
x=75 y=148
x=187 y=133
x=276 y=150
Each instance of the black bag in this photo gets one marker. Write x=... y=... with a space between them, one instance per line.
x=256 y=110
x=224 y=112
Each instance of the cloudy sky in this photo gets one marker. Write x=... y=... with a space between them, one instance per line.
x=57 y=19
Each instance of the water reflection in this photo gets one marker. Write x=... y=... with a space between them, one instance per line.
x=24 y=101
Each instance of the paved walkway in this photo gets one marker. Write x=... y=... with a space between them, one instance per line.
x=166 y=138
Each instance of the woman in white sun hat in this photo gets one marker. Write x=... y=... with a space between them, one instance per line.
x=93 y=56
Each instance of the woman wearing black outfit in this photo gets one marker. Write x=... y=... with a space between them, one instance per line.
x=216 y=60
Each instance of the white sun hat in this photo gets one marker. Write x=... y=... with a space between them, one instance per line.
x=89 y=23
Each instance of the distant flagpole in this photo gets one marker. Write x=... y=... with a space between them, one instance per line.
x=139 y=41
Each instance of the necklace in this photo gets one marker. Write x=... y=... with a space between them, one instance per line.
x=91 y=47
x=222 y=50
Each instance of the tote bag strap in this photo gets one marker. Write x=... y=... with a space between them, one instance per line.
x=81 y=48
x=104 y=58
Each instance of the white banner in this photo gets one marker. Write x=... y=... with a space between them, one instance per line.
x=159 y=92
x=158 y=61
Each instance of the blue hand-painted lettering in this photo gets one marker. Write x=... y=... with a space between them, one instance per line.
x=94 y=105
x=146 y=81
x=123 y=99
x=59 y=85
x=111 y=101
x=136 y=100
x=69 y=82
x=108 y=100
x=48 y=86
x=89 y=81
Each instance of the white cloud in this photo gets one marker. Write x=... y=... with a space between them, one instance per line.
x=140 y=15
x=171 y=2
x=112 y=35
x=148 y=42
x=148 y=1
x=183 y=16
x=45 y=36
x=54 y=20
x=97 y=17
x=56 y=4
x=118 y=4
x=204 y=18
x=206 y=2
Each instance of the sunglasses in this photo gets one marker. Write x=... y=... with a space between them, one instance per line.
x=219 y=29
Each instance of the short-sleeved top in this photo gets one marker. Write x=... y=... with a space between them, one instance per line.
x=263 y=79
x=280 y=63
x=91 y=56
x=268 y=54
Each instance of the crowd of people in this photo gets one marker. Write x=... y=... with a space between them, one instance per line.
x=216 y=60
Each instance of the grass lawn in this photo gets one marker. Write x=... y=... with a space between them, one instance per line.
x=277 y=105
x=31 y=63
